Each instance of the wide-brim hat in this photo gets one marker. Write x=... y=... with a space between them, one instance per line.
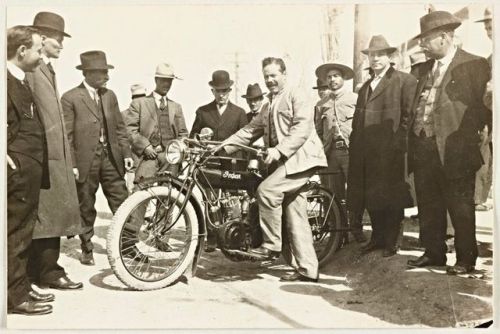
x=379 y=43
x=165 y=70
x=253 y=91
x=221 y=80
x=438 y=19
x=322 y=71
x=137 y=89
x=50 y=21
x=488 y=15
x=320 y=84
x=94 y=60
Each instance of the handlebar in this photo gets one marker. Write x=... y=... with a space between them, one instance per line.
x=259 y=151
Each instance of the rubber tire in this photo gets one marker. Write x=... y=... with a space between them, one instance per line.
x=115 y=229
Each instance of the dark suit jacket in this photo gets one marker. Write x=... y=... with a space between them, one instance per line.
x=459 y=112
x=83 y=126
x=231 y=120
x=15 y=116
x=378 y=142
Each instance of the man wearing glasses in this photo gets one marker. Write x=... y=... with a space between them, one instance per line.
x=220 y=115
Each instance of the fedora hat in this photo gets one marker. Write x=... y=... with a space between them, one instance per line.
x=137 y=89
x=488 y=15
x=437 y=20
x=165 y=70
x=379 y=43
x=220 y=80
x=323 y=70
x=253 y=91
x=93 y=60
x=51 y=21
x=320 y=84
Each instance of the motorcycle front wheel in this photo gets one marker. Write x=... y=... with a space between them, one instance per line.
x=148 y=247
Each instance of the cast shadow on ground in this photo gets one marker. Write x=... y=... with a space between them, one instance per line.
x=99 y=280
x=387 y=289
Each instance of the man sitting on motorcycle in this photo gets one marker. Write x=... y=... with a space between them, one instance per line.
x=295 y=152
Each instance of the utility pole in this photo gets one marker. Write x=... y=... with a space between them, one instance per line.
x=361 y=16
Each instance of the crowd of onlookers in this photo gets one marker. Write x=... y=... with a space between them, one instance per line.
x=436 y=121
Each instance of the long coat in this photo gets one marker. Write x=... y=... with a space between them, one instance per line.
x=231 y=120
x=82 y=120
x=141 y=120
x=293 y=120
x=378 y=144
x=459 y=113
x=58 y=210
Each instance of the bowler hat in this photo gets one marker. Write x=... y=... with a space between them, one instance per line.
x=379 y=43
x=320 y=84
x=488 y=15
x=165 y=70
x=137 y=89
x=437 y=20
x=93 y=60
x=322 y=71
x=253 y=91
x=220 y=80
x=51 y=21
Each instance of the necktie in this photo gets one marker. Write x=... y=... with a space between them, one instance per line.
x=163 y=105
x=436 y=73
x=96 y=97
x=51 y=69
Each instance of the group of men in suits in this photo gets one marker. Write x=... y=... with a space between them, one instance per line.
x=60 y=151
x=433 y=117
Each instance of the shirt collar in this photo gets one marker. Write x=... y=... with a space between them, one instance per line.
x=446 y=60
x=158 y=97
x=91 y=89
x=381 y=75
x=46 y=59
x=16 y=71
x=338 y=93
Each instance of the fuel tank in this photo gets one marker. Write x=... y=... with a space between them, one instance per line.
x=228 y=179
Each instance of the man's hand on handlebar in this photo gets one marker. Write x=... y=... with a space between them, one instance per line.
x=272 y=155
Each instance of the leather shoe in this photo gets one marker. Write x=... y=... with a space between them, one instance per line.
x=63 y=283
x=425 y=261
x=87 y=259
x=388 y=252
x=31 y=308
x=41 y=297
x=370 y=247
x=296 y=277
x=264 y=253
x=459 y=269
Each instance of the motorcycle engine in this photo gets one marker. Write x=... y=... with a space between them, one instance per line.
x=234 y=232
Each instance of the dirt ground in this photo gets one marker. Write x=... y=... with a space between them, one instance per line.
x=354 y=291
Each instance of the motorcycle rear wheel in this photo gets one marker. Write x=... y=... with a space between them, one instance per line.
x=140 y=256
x=325 y=217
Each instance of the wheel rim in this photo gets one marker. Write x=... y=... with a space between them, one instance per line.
x=153 y=242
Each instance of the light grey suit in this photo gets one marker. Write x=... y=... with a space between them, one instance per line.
x=302 y=152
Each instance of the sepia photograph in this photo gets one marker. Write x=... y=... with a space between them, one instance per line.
x=215 y=165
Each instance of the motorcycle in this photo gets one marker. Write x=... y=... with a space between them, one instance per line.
x=158 y=233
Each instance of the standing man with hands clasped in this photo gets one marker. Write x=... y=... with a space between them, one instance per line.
x=295 y=151
x=98 y=141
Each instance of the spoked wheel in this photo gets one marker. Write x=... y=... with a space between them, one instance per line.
x=150 y=243
x=325 y=218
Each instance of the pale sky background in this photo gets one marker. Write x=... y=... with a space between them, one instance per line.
x=199 y=39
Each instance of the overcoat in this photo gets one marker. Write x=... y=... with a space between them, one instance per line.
x=378 y=142
x=58 y=209
x=459 y=113
x=82 y=119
